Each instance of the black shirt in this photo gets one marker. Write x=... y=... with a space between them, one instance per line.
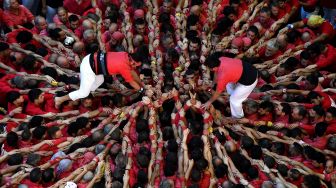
x=249 y=74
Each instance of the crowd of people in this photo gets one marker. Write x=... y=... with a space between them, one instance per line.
x=168 y=93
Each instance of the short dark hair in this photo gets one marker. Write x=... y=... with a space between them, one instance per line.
x=24 y=36
x=192 y=20
x=139 y=21
x=311 y=181
x=213 y=60
x=73 y=18
x=39 y=132
x=253 y=29
x=313 y=95
x=229 y=10
x=35 y=121
x=3 y=46
x=320 y=128
x=267 y=105
x=48 y=175
x=33 y=94
x=52 y=131
x=252 y=172
x=35 y=175
x=15 y=159
x=332 y=110
x=12 y=96
x=12 y=139
x=29 y=62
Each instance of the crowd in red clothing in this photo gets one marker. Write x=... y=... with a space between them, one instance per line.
x=163 y=137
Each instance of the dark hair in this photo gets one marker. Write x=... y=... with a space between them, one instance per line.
x=35 y=121
x=267 y=105
x=24 y=37
x=173 y=54
x=293 y=35
x=256 y=152
x=234 y=2
x=228 y=10
x=73 y=128
x=52 y=131
x=55 y=33
x=286 y=108
x=282 y=169
x=265 y=10
x=3 y=46
x=246 y=142
x=29 y=62
x=39 y=132
x=252 y=172
x=269 y=161
x=142 y=160
x=34 y=94
x=15 y=159
x=221 y=170
x=12 y=139
x=48 y=175
x=305 y=55
x=142 y=177
x=143 y=136
x=172 y=145
x=332 y=111
x=313 y=95
x=26 y=134
x=192 y=20
x=311 y=181
x=319 y=110
x=139 y=21
x=50 y=71
x=213 y=60
x=35 y=175
x=73 y=18
x=320 y=128
x=253 y=29
x=12 y=96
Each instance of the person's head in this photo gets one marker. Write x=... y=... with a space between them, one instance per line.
x=57 y=34
x=330 y=114
x=39 y=132
x=40 y=23
x=250 y=107
x=14 y=4
x=88 y=101
x=265 y=108
x=315 y=21
x=246 y=142
x=192 y=22
x=311 y=181
x=230 y=13
x=14 y=97
x=33 y=159
x=278 y=148
x=269 y=161
x=252 y=32
x=194 y=44
x=213 y=61
x=98 y=135
x=35 y=175
x=74 y=21
x=320 y=129
x=64 y=166
x=234 y=4
x=88 y=176
x=329 y=166
x=54 y=132
x=316 y=112
x=315 y=98
x=12 y=139
x=252 y=172
x=24 y=37
x=167 y=41
x=311 y=81
x=15 y=159
x=298 y=113
x=4 y=50
x=230 y=146
x=274 y=9
x=282 y=41
x=265 y=14
x=48 y=175
x=36 y=96
x=140 y=26
x=282 y=109
x=89 y=36
x=62 y=14
x=271 y=48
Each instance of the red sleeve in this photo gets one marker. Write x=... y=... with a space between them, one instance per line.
x=305 y=20
x=327 y=28
x=222 y=81
x=331 y=129
x=308 y=105
x=310 y=129
x=8 y=22
x=28 y=14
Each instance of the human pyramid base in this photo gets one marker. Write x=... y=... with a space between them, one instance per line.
x=168 y=93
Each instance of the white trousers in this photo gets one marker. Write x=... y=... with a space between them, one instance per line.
x=89 y=81
x=238 y=94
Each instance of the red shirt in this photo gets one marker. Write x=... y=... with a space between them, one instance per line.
x=118 y=63
x=23 y=16
x=33 y=110
x=31 y=184
x=331 y=127
x=5 y=87
x=327 y=60
x=229 y=70
x=74 y=7
x=325 y=28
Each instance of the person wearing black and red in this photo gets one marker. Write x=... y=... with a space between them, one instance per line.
x=238 y=76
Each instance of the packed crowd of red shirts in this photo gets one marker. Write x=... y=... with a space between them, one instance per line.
x=116 y=137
